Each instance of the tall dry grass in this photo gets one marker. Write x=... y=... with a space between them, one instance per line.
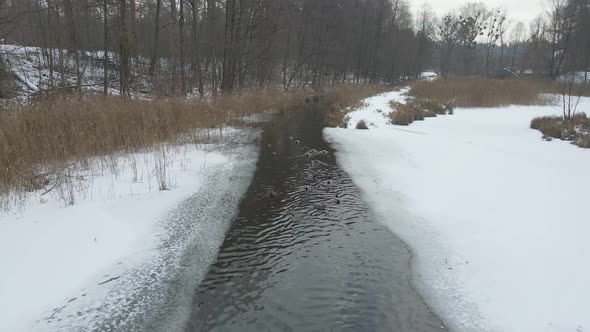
x=557 y=88
x=576 y=130
x=43 y=144
x=480 y=92
x=417 y=110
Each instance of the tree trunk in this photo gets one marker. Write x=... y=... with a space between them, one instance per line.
x=181 y=48
x=124 y=50
x=49 y=47
x=154 y=59
x=174 y=47
x=197 y=60
x=286 y=58
x=106 y=49
x=73 y=44
x=228 y=46
x=212 y=44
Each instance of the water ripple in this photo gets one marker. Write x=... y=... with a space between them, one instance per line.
x=304 y=253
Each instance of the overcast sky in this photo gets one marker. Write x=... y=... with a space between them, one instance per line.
x=518 y=10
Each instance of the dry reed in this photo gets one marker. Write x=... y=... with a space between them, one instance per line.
x=480 y=92
x=44 y=143
x=577 y=130
x=417 y=110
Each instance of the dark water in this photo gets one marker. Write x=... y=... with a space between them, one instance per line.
x=304 y=254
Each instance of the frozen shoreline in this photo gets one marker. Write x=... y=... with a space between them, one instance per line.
x=113 y=254
x=495 y=215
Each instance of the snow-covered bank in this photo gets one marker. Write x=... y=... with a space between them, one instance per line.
x=497 y=218
x=106 y=261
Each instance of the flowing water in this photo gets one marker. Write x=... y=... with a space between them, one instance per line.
x=304 y=253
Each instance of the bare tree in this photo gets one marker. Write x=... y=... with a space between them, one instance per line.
x=154 y=58
x=425 y=33
x=105 y=10
x=73 y=44
x=517 y=38
x=124 y=49
x=181 y=47
x=448 y=38
x=174 y=49
x=571 y=94
x=492 y=30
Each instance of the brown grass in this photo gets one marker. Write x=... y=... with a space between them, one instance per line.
x=557 y=88
x=361 y=125
x=480 y=92
x=43 y=142
x=577 y=130
x=417 y=110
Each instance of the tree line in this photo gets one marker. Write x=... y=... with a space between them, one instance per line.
x=201 y=46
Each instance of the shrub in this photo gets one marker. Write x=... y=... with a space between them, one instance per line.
x=361 y=125
x=431 y=106
x=402 y=117
x=414 y=110
x=577 y=130
x=550 y=126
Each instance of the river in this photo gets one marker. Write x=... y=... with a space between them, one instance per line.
x=304 y=253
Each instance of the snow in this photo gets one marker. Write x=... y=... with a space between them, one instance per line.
x=375 y=110
x=30 y=68
x=82 y=264
x=496 y=217
x=429 y=75
x=580 y=77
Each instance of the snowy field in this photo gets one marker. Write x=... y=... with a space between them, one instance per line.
x=496 y=217
x=101 y=262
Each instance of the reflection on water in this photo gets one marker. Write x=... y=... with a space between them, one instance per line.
x=304 y=253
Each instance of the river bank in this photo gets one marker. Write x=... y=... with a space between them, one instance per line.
x=71 y=266
x=495 y=215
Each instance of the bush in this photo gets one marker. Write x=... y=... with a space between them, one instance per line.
x=577 y=130
x=361 y=125
x=550 y=126
x=402 y=117
x=414 y=110
x=431 y=106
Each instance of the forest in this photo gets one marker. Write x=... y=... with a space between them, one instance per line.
x=199 y=47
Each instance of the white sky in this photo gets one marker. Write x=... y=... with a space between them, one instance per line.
x=518 y=10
